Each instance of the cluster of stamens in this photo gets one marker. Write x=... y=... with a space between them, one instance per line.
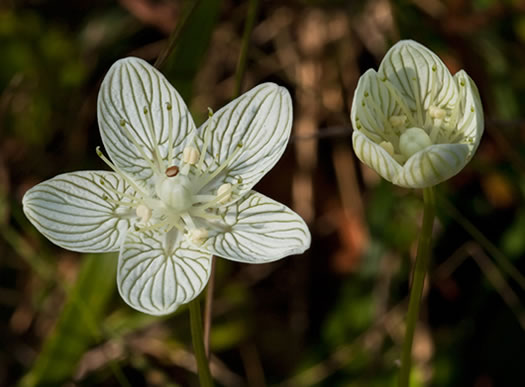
x=176 y=201
x=412 y=130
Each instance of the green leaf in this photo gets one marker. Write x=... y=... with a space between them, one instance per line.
x=78 y=326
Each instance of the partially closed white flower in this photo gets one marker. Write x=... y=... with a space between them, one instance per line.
x=414 y=123
x=177 y=194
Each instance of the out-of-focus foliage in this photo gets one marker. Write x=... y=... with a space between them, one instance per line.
x=332 y=317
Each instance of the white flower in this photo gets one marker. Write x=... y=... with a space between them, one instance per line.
x=177 y=194
x=414 y=123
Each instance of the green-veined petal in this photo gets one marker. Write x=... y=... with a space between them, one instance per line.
x=420 y=75
x=375 y=156
x=71 y=212
x=373 y=106
x=259 y=229
x=260 y=120
x=159 y=272
x=143 y=120
x=433 y=165
x=471 y=122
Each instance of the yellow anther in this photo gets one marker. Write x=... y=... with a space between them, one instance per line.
x=144 y=213
x=398 y=121
x=190 y=155
x=224 y=192
x=198 y=236
x=436 y=112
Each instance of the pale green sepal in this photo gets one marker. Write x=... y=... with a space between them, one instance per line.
x=159 y=272
x=258 y=229
x=141 y=117
x=71 y=212
x=419 y=74
x=260 y=122
x=375 y=156
x=433 y=165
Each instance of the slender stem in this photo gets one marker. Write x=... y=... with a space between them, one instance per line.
x=198 y=344
x=172 y=41
x=418 y=280
x=208 y=308
x=239 y=75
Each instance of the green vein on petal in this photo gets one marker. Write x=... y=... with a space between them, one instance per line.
x=260 y=230
x=71 y=212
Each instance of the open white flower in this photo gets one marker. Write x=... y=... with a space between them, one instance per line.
x=414 y=123
x=177 y=194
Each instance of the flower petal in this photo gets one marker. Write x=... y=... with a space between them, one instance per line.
x=159 y=272
x=433 y=165
x=259 y=230
x=471 y=122
x=375 y=156
x=71 y=212
x=372 y=107
x=260 y=120
x=419 y=75
x=143 y=120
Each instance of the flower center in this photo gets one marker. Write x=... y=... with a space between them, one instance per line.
x=412 y=141
x=177 y=200
x=175 y=192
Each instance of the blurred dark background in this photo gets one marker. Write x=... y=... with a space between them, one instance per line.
x=331 y=317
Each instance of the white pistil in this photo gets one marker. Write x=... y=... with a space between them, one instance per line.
x=412 y=141
x=175 y=192
x=225 y=192
x=198 y=236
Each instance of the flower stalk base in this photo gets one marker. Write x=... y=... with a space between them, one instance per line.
x=203 y=368
x=418 y=280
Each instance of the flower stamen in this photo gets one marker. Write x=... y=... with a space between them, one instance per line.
x=172 y=171
x=207 y=135
x=144 y=213
x=198 y=236
x=226 y=162
x=119 y=172
x=139 y=147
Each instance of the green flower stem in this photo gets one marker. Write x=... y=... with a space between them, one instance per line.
x=418 y=280
x=198 y=344
x=239 y=75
